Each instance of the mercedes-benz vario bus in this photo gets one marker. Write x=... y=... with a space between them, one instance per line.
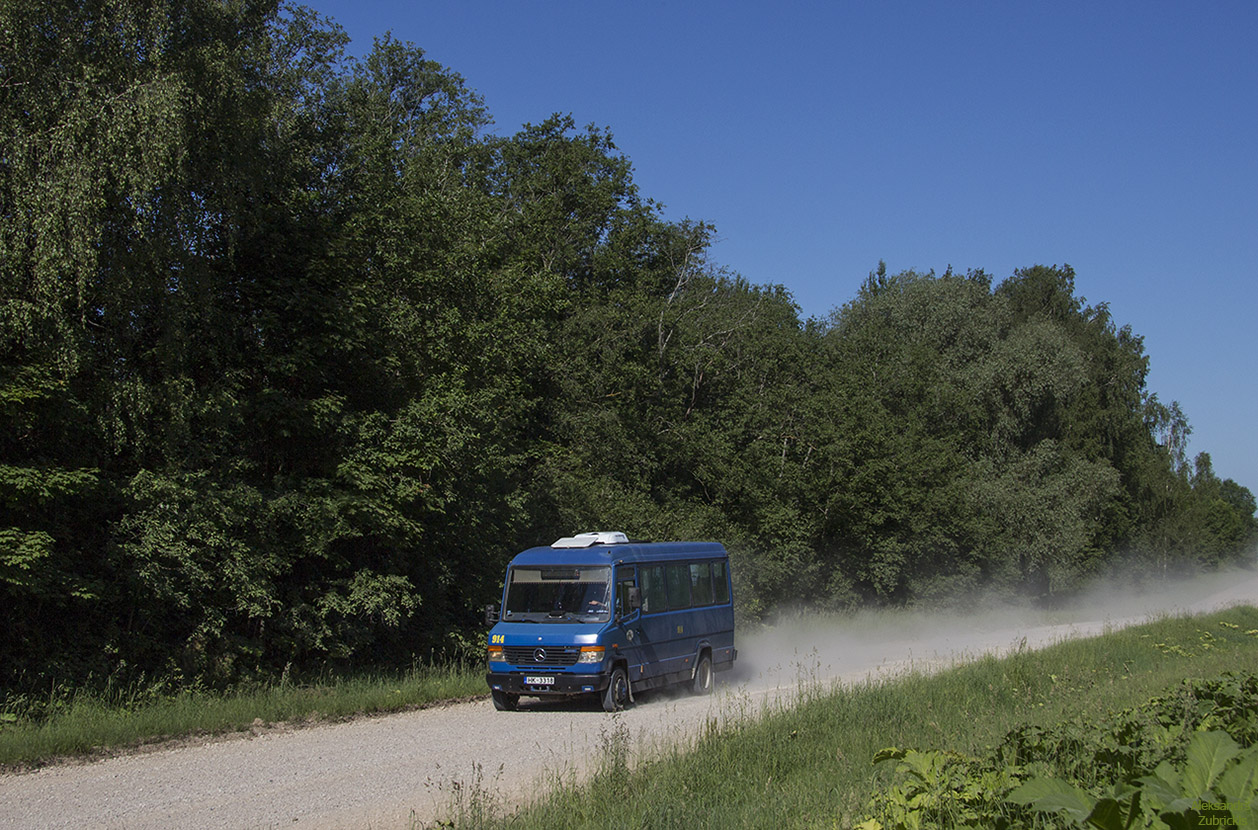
x=598 y=614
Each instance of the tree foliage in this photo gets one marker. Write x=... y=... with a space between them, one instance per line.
x=294 y=355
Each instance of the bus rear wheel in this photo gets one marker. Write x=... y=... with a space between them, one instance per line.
x=616 y=696
x=702 y=682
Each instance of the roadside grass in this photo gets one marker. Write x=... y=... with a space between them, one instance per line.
x=83 y=724
x=807 y=762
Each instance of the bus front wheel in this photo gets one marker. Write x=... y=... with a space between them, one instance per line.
x=617 y=694
x=505 y=702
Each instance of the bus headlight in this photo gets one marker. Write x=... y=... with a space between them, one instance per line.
x=591 y=654
x=495 y=654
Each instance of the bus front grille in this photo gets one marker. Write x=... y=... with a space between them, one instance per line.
x=542 y=656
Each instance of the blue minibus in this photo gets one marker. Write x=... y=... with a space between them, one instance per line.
x=598 y=614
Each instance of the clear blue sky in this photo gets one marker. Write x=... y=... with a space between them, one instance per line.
x=820 y=137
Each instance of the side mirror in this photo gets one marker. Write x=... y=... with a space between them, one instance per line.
x=635 y=598
x=491 y=614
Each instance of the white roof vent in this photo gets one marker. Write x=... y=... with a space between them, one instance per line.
x=585 y=540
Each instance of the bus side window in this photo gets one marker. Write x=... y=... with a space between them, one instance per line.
x=678 y=586
x=624 y=581
x=654 y=592
x=700 y=583
x=720 y=582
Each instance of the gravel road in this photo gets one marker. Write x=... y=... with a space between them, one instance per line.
x=387 y=772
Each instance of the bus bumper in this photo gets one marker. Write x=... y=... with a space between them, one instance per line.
x=520 y=683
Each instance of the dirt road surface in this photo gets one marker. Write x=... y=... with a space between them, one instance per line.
x=388 y=772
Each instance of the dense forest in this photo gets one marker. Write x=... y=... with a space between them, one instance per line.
x=296 y=352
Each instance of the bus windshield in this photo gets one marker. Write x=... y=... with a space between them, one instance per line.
x=557 y=594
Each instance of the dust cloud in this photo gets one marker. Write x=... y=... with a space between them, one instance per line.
x=797 y=647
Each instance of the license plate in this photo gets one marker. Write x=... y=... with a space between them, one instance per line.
x=539 y=681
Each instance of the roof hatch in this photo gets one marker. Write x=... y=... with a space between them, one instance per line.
x=585 y=540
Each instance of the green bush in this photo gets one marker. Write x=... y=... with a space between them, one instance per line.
x=1179 y=757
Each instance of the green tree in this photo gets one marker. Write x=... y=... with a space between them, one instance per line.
x=897 y=518
x=94 y=107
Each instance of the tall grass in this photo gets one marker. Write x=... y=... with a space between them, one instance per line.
x=75 y=724
x=809 y=765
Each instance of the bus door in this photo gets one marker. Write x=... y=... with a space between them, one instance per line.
x=629 y=617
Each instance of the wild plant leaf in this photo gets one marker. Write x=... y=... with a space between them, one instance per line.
x=1164 y=789
x=1245 y=816
x=891 y=753
x=1134 y=812
x=1107 y=814
x=1239 y=785
x=1179 y=820
x=1209 y=753
x=1052 y=795
x=925 y=765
